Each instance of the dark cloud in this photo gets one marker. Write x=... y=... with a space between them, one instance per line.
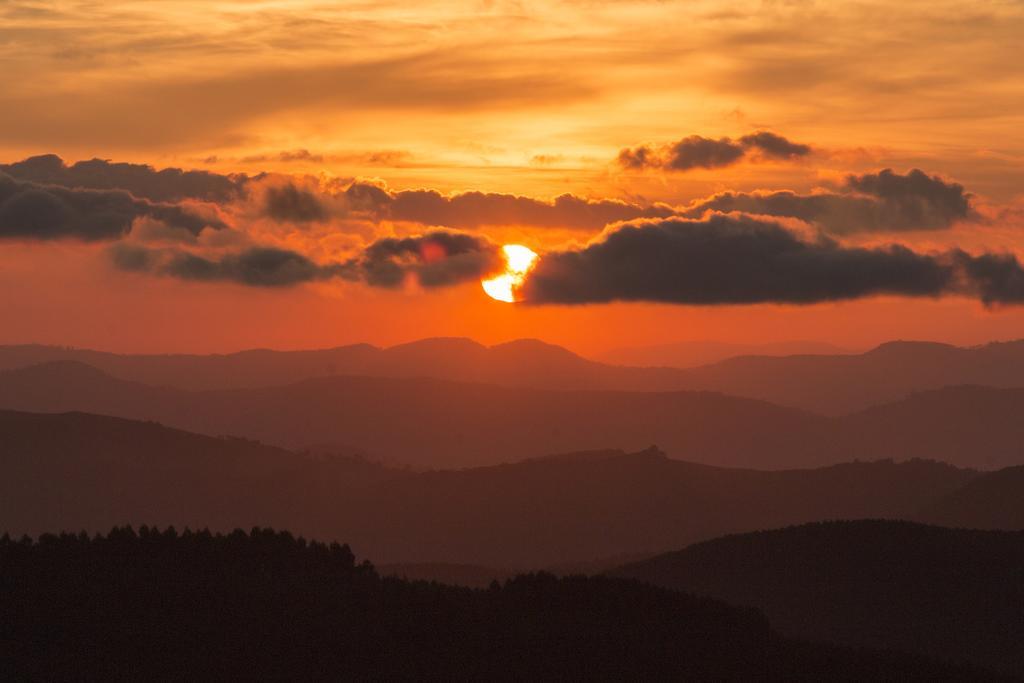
x=874 y=202
x=915 y=198
x=993 y=278
x=141 y=180
x=700 y=152
x=467 y=210
x=46 y=212
x=773 y=145
x=256 y=266
x=736 y=259
x=470 y=210
x=436 y=259
x=288 y=203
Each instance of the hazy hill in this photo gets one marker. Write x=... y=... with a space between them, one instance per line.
x=264 y=605
x=434 y=423
x=83 y=471
x=942 y=592
x=992 y=501
x=695 y=353
x=846 y=383
x=979 y=425
x=830 y=384
x=75 y=471
x=526 y=363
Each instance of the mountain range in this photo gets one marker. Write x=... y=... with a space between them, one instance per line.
x=830 y=384
x=76 y=471
x=429 y=423
x=691 y=354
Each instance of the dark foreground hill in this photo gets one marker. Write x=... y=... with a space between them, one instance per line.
x=78 y=471
x=942 y=592
x=163 y=606
x=992 y=501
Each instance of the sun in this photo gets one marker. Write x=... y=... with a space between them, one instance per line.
x=518 y=262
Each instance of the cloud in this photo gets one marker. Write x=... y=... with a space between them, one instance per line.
x=773 y=145
x=255 y=266
x=297 y=203
x=994 y=278
x=915 y=198
x=141 y=180
x=738 y=259
x=695 y=151
x=875 y=202
x=294 y=199
x=470 y=210
x=436 y=259
x=47 y=212
x=288 y=203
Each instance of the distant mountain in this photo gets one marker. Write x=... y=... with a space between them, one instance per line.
x=77 y=471
x=436 y=423
x=826 y=384
x=835 y=385
x=992 y=501
x=691 y=354
x=159 y=605
x=522 y=363
x=427 y=423
x=980 y=425
x=74 y=471
x=947 y=593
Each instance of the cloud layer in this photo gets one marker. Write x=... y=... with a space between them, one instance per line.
x=141 y=180
x=695 y=151
x=874 y=202
x=45 y=212
x=436 y=259
x=737 y=259
x=730 y=248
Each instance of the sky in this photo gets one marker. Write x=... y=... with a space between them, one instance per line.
x=197 y=177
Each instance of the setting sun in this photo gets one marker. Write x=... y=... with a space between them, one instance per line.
x=518 y=262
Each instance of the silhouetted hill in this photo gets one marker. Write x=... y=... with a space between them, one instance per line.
x=829 y=384
x=469 y=575
x=841 y=384
x=163 y=606
x=435 y=423
x=966 y=424
x=75 y=471
x=522 y=363
x=691 y=354
x=994 y=500
x=257 y=367
x=89 y=472
x=942 y=592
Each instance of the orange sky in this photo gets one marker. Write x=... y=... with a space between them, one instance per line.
x=527 y=98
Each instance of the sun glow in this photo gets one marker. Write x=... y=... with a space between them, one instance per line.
x=518 y=262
